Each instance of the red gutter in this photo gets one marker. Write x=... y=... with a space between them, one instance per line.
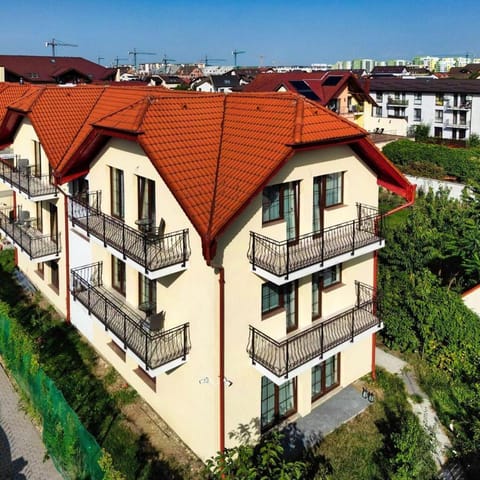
x=410 y=196
x=67 y=258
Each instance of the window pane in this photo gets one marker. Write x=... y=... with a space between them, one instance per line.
x=315 y=295
x=270 y=297
x=317 y=185
x=333 y=189
x=117 y=193
x=330 y=371
x=331 y=276
x=286 y=397
x=268 y=402
x=271 y=204
x=316 y=380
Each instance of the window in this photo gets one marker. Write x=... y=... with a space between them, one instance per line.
x=39 y=214
x=417 y=114
x=146 y=199
x=272 y=298
x=276 y=298
x=439 y=99
x=147 y=294
x=378 y=112
x=272 y=203
x=417 y=98
x=41 y=269
x=439 y=116
x=325 y=376
x=54 y=277
x=333 y=189
x=37 y=152
x=118 y=276
x=437 y=132
x=277 y=402
x=379 y=97
x=117 y=193
x=321 y=281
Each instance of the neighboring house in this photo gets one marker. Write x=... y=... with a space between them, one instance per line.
x=338 y=90
x=451 y=107
x=47 y=69
x=189 y=72
x=470 y=71
x=167 y=228
x=217 y=83
x=167 y=81
x=399 y=71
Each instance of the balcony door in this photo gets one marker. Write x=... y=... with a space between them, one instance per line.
x=37 y=151
x=53 y=222
x=327 y=192
x=146 y=201
x=117 y=193
x=291 y=209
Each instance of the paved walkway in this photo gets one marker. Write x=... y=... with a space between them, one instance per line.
x=424 y=410
x=22 y=452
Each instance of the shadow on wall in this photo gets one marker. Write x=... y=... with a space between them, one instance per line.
x=8 y=468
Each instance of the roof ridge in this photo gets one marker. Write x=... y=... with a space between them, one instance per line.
x=217 y=170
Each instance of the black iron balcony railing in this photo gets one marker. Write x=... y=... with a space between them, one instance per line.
x=25 y=234
x=285 y=257
x=153 y=250
x=283 y=357
x=25 y=181
x=154 y=348
x=400 y=102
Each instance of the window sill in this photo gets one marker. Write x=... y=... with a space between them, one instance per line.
x=272 y=313
x=333 y=287
x=120 y=353
x=147 y=379
x=54 y=288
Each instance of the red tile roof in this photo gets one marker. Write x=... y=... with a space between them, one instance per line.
x=215 y=152
x=47 y=69
x=318 y=82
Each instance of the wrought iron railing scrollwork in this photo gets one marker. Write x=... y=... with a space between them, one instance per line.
x=153 y=250
x=154 y=348
x=282 y=357
x=284 y=257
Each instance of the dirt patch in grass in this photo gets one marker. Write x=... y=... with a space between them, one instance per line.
x=144 y=421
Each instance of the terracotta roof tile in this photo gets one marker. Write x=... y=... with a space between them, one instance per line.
x=214 y=151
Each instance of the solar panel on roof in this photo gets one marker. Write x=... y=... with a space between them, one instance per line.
x=331 y=80
x=301 y=87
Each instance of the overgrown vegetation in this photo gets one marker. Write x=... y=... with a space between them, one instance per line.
x=70 y=363
x=435 y=161
x=386 y=441
x=430 y=258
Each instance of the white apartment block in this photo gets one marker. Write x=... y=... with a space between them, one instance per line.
x=450 y=107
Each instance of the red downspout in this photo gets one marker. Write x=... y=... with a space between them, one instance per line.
x=410 y=201
x=67 y=257
x=221 y=373
x=15 y=250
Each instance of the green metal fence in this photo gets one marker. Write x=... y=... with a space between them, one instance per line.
x=73 y=450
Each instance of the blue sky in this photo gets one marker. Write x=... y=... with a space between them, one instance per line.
x=272 y=32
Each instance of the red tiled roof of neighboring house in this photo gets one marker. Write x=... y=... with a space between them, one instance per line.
x=215 y=152
x=47 y=69
x=320 y=83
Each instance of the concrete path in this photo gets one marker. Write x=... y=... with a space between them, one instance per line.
x=424 y=410
x=22 y=452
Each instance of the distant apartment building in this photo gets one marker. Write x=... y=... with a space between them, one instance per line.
x=450 y=107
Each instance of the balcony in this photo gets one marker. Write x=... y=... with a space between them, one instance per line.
x=283 y=261
x=463 y=106
x=22 y=179
x=156 y=350
x=356 y=109
x=151 y=252
x=397 y=102
x=23 y=232
x=280 y=360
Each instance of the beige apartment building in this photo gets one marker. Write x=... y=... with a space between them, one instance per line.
x=218 y=250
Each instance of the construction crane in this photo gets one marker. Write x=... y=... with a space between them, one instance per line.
x=58 y=43
x=99 y=59
x=117 y=59
x=206 y=60
x=135 y=53
x=165 y=61
x=235 y=53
